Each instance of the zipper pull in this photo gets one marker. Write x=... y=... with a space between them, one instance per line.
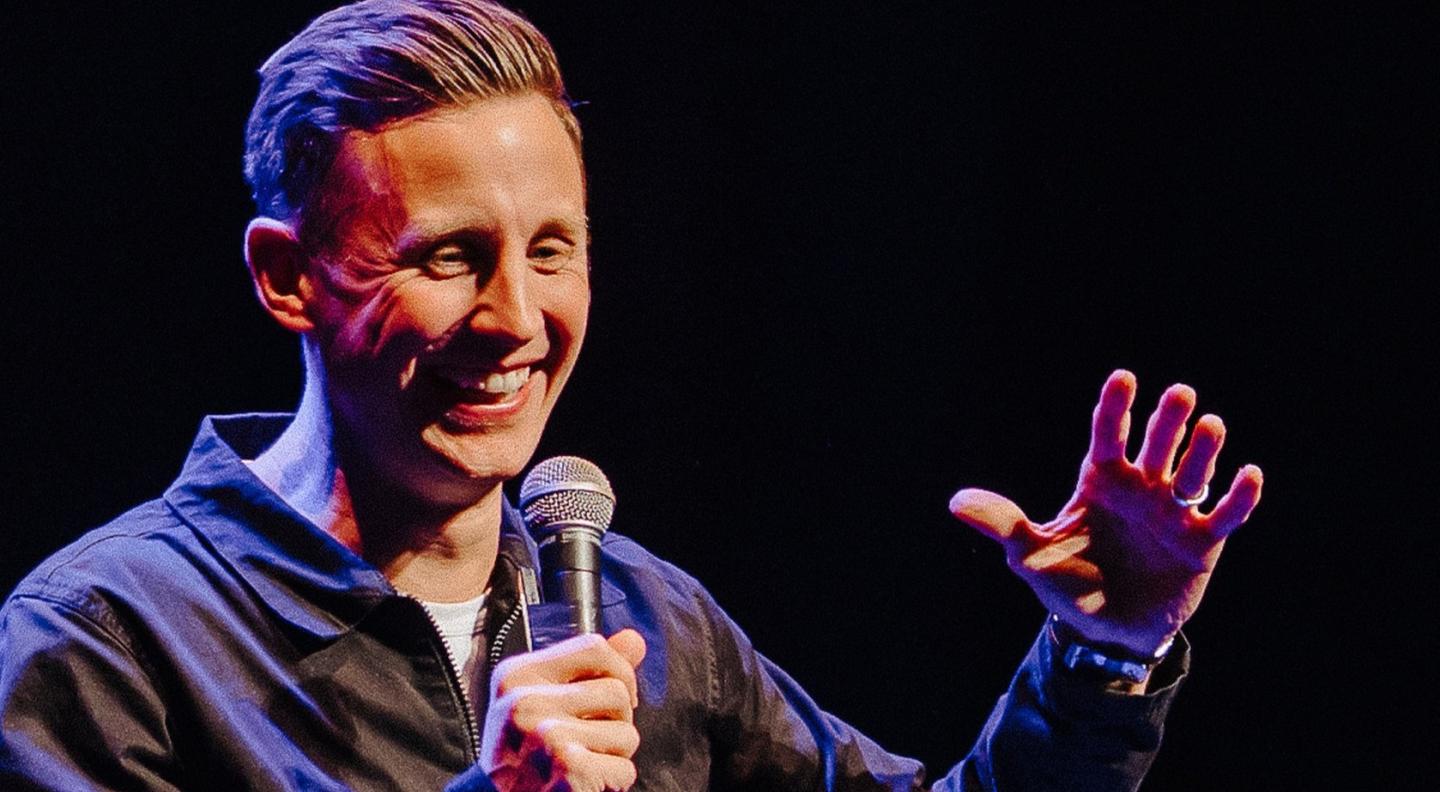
x=531 y=595
x=529 y=586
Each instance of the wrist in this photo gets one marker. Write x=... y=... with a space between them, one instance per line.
x=1111 y=663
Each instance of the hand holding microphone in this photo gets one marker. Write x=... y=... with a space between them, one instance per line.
x=563 y=717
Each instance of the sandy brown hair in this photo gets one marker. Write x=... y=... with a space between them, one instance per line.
x=374 y=62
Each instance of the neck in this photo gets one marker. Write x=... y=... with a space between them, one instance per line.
x=435 y=553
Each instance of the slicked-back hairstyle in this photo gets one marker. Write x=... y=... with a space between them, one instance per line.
x=374 y=62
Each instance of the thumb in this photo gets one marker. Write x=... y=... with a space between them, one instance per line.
x=630 y=645
x=993 y=515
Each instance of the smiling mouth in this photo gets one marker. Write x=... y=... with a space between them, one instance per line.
x=486 y=387
x=472 y=397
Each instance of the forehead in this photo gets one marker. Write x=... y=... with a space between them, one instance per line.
x=493 y=160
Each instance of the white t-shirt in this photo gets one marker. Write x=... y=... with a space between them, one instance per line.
x=460 y=627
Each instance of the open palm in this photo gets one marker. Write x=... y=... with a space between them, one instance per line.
x=1126 y=562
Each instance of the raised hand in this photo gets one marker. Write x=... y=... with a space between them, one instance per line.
x=562 y=718
x=1127 y=560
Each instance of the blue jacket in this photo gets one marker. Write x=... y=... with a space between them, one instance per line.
x=214 y=639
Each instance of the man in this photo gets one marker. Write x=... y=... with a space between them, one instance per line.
x=336 y=599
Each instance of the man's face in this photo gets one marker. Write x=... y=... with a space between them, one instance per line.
x=452 y=301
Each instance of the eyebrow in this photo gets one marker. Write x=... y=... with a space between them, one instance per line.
x=573 y=226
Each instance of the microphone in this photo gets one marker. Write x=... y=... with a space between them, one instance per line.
x=567 y=504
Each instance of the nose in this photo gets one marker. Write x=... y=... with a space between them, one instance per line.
x=506 y=305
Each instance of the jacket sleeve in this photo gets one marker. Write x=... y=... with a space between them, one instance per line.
x=1055 y=729
x=1052 y=730
x=768 y=734
x=77 y=710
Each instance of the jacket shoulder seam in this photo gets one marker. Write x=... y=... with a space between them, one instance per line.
x=101 y=618
x=712 y=672
x=113 y=531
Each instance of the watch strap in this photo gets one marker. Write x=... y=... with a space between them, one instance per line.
x=1104 y=660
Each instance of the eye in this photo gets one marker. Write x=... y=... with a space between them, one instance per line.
x=551 y=254
x=449 y=261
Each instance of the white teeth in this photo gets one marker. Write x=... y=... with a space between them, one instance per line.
x=494 y=382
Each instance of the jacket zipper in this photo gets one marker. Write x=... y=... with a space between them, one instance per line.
x=452 y=675
x=501 y=634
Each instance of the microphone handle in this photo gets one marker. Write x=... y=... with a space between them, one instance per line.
x=570 y=564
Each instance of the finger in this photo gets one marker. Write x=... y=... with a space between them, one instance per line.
x=630 y=645
x=614 y=738
x=1234 y=509
x=571 y=660
x=587 y=770
x=1198 y=464
x=993 y=515
x=1110 y=424
x=1164 y=431
x=605 y=698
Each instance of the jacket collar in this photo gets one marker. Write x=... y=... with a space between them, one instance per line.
x=297 y=570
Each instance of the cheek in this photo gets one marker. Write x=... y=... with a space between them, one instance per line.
x=569 y=304
x=402 y=318
x=431 y=309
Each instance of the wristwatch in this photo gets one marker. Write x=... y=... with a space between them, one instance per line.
x=1108 y=661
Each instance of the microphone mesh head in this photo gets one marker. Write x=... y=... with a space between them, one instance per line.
x=564 y=489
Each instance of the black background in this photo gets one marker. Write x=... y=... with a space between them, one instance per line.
x=845 y=262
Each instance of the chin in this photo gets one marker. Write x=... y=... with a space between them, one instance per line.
x=481 y=459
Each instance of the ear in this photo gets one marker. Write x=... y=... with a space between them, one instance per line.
x=278 y=268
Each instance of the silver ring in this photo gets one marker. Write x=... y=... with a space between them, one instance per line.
x=1195 y=501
